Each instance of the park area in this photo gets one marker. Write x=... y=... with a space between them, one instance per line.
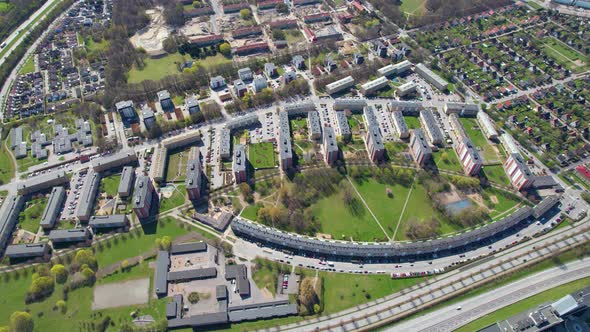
x=261 y=155
x=29 y=219
x=177 y=162
x=485 y=147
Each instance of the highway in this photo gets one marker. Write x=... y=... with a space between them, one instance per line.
x=450 y=318
x=20 y=33
x=396 y=306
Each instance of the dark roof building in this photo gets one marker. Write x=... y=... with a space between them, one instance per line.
x=42 y=182
x=187 y=248
x=261 y=311
x=122 y=158
x=53 y=207
x=109 y=221
x=239 y=272
x=193 y=274
x=88 y=196
x=30 y=250
x=126 y=183
x=9 y=217
x=193 y=175
x=69 y=235
x=161 y=273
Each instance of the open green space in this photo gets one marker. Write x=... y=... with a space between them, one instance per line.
x=534 y=5
x=496 y=173
x=92 y=46
x=215 y=60
x=30 y=217
x=479 y=140
x=156 y=69
x=528 y=303
x=28 y=67
x=499 y=201
x=261 y=155
x=5 y=7
x=346 y=223
x=110 y=184
x=6 y=165
x=342 y=291
x=413 y=122
x=26 y=162
x=177 y=162
x=446 y=159
x=414 y=7
x=177 y=198
x=250 y=212
x=564 y=55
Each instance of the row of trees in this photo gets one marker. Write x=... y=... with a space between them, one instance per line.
x=18 y=11
x=385 y=175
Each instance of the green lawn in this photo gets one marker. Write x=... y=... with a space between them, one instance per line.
x=345 y=223
x=177 y=199
x=6 y=165
x=266 y=274
x=479 y=140
x=110 y=184
x=342 y=291
x=528 y=303
x=177 y=162
x=505 y=201
x=496 y=173
x=534 y=5
x=28 y=67
x=251 y=212
x=156 y=69
x=139 y=244
x=216 y=60
x=31 y=216
x=446 y=159
x=564 y=55
x=261 y=155
x=412 y=6
x=101 y=46
x=28 y=161
x=413 y=122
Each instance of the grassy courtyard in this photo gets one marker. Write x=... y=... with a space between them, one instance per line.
x=413 y=122
x=31 y=216
x=110 y=184
x=486 y=149
x=446 y=159
x=177 y=198
x=412 y=7
x=177 y=162
x=496 y=174
x=261 y=155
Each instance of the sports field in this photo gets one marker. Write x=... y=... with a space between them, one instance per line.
x=261 y=155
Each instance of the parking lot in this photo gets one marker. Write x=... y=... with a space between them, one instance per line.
x=73 y=194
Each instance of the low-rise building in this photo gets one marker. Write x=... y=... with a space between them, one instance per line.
x=240 y=88
x=245 y=74
x=61 y=236
x=149 y=118
x=193 y=174
x=88 y=196
x=143 y=196
x=419 y=148
x=260 y=83
x=288 y=76
x=115 y=160
x=53 y=208
x=239 y=163
x=270 y=70
x=400 y=124
x=126 y=110
x=330 y=146
x=126 y=183
x=217 y=82
x=396 y=69
x=29 y=250
x=406 y=89
x=192 y=105
x=11 y=208
x=487 y=125
x=374 y=85
x=406 y=107
x=431 y=127
x=431 y=77
x=42 y=182
x=340 y=85
x=313 y=124
x=239 y=273
x=518 y=172
x=298 y=61
x=165 y=101
x=109 y=222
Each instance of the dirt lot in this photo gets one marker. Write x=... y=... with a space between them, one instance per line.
x=151 y=37
x=121 y=294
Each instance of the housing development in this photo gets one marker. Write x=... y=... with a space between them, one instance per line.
x=296 y=165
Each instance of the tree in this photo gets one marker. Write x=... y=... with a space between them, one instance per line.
x=278 y=34
x=316 y=308
x=164 y=243
x=245 y=14
x=59 y=272
x=225 y=49
x=246 y=191
x=174 y=14
x=193 y=297
x=86 y=256
x=21 y=321
x=61 y=306
x=307 y=295
x=170 y=44
x=282 y=8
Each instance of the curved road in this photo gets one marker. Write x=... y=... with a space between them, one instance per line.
x=449 y=318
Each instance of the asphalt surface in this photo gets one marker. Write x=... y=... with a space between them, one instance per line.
x=450 y=318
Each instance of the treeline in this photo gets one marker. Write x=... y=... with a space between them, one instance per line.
x=294 y=213
x=19 y=11
x=19 y=52
x=384 y=175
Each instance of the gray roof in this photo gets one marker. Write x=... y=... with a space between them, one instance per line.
x=88 y=195
x=42 y=182
x=204 y=273
x=164 y=94
x=261 y=311
x=342 y=123
x=38 y=151
x=124 y=104
x=200 y=320
x=376 y=140
x=171 y=309
x=53 y=207
x=239 y=160
x=147 y=112
x=127 y=178
x=225 y=142
x=545 y=205
x=141 y=192
x=239 y=272
x=400 y=123
x=370 y=118
x=192 y=102
x=69 y=235
x=20 y=151
x=430 y=126
x=16 y=137
x=430 y=76
x=284 y=143
x=108 y=221
x=381 y=249
x=193 y=173
x=330 y=143
x=9 y=212
x=353 y=104
x=299 y=108
x=219 y=224
x=565 y=305
x=421 y=146
x=314 y=123
x=221 y=292
x=161 y=275
x=185 y=248
x=27 y=250
x=340 y=85
x=242 y=121
x=122 y=158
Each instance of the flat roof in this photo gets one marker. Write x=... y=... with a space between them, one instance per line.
x=27 y=250
x=88 y=195
x=53 y=207
x=69 y=235
x=161 y=275
x=239 y=160
x=204 y=273
x=142 y=185
x=42 y=182
x=108 y=221
x=126 y=182
x=184 y=248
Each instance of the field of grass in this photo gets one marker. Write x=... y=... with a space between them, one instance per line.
x=505 y=202
x=251 y=212
x=496 y=174
x=534 y=5
x=177 y=199
x=412 y=6
x=110 y=184
x=216 y=60
x=530 y=302
x=413 y=122
x=564 y=55
x=28 y=67
x=261 y=155
x=5 y=7
x=156 y=69
x=353 y=223
x=342 y=291
x=31 y=216
x=26 y=162
x=92 y=46
x=177 y=161
x=6 y=165
x=446 y=159
x=479 y=140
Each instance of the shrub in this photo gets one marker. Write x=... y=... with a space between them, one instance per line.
x=193 y=297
